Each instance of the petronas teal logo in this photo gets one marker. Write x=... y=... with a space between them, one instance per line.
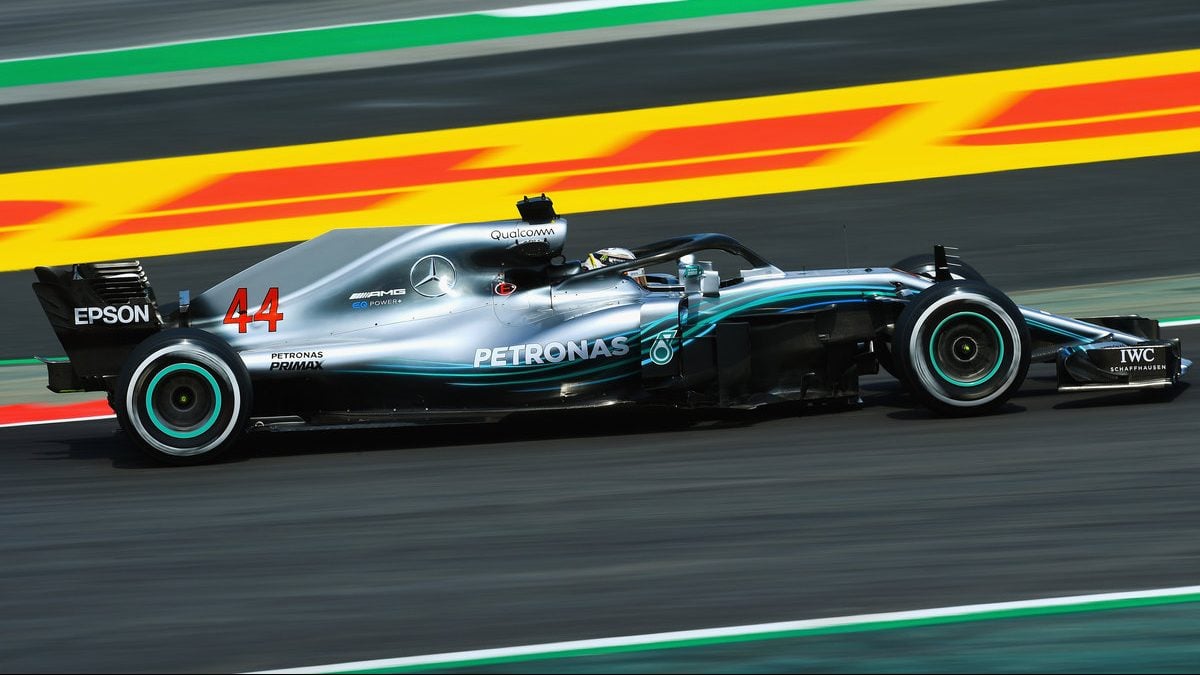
x=663 y=349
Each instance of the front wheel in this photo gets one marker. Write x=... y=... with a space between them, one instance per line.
x=183 y=396
x=921 y=264
x=961 y=348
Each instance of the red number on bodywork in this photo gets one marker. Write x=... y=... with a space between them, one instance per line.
x=269 y=310
x=239 y=310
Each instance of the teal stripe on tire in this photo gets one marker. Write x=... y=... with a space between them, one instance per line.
x=960 y=383
x=212 y=418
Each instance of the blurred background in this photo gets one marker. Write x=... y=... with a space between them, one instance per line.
x=1054 y=143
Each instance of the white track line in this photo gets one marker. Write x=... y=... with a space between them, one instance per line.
x=236 y=36
x=734 y=631
x=66 y=419
x=568 y=7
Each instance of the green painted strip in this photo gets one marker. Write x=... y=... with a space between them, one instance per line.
x=358 y=39
x=1023 y=612
x=1179 y=320
x=19 y=362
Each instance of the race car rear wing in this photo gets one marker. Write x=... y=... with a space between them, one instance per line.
x=100 y=312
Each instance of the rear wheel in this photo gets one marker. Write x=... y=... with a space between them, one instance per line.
x=183 y=396
x=961 y=348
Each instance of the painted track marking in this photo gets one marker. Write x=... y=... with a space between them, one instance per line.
x=768 y=631
x=25 y=414
x=375 y=44
x=1184 y=321
x=716 y=150
x=568 y=7
x=58 y=421
x=390 y=35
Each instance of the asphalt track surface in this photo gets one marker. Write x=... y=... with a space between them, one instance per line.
x=332 y=547
x=327 y=547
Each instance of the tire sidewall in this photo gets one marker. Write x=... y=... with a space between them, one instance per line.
x=922 y=265
x=222 y=378
x=913 y=345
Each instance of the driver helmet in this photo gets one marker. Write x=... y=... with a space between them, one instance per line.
x=613 y=256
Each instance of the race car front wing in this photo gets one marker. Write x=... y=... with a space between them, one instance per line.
x=1110 y=364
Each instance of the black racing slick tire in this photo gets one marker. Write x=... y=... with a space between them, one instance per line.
x=961 y=348
x=184 y=397
x=921 y=264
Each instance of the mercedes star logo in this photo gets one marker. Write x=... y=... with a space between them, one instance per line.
x=432 y=276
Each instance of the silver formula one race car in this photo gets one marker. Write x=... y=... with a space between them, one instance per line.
x=472 y=322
